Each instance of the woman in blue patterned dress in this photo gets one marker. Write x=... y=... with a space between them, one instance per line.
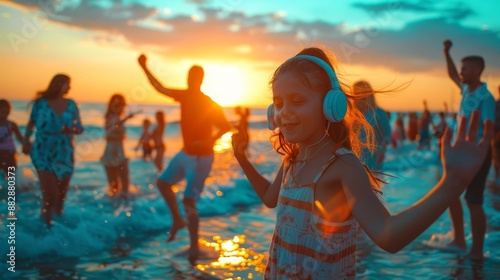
x=56 y=119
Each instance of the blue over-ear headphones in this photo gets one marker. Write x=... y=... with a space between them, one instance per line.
x=335 y=102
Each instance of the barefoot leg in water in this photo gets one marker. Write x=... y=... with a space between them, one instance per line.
x=174 y=229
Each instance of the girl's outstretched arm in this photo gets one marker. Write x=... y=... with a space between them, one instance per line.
x=267 y=192
x=461 y=162
x=129 y=116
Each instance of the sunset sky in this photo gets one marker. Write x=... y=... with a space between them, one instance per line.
x=240 y=43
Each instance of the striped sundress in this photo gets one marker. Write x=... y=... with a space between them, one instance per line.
x=304 y=246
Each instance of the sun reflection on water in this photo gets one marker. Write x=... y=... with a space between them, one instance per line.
x=233 y=257
x=224 y=143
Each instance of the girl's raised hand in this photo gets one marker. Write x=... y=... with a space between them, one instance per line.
x=463 y=159
x=239 y=141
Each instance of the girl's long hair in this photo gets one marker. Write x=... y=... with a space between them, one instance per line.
x=115 y=105
x=344 y=133
x=367 y=103
x=54 y=89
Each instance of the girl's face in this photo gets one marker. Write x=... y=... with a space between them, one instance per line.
x=298 y=110
x=4 y=113
x=65 y=88
x=118 y=105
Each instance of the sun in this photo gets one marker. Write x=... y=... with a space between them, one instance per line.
x=225 y=84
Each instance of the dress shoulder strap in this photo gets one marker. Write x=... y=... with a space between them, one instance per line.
x=340 y=152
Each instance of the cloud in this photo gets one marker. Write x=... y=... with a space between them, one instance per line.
x=454 y=10
x=233 y=35
x=418 y=46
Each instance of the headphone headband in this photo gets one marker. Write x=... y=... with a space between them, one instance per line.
x=321 y=63
x=334 y=103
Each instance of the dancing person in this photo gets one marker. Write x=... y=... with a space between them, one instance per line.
x=145 y=141
x=424 y=123
x=398 y=133
x=56 y=119
x=322 y=190
x=475 y=96
x=412 y=126
x=200 y=115
x=113 y=159
x=377 y=118
x=8 y=162
x=157 y=137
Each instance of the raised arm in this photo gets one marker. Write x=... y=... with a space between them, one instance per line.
x=129 y=116
x=393 y=232
x=172 y=93
x=452 y=70
x=267 y=192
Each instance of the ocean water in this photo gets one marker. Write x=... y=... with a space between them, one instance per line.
x=98 y=237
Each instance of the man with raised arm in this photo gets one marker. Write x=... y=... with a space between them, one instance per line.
x=199 y=116
x=475 y=96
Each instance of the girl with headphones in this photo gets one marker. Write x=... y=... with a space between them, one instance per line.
x=322 y=191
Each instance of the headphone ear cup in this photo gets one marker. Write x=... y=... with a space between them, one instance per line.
x=335 y=105
x=271 y=123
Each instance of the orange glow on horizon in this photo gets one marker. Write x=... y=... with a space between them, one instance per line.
x=224 y=83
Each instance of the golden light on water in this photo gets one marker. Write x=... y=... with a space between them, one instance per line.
x=233 y=257
x=223 y=143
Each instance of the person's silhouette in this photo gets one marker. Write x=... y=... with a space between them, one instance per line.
x=56 y=120
x=475 y=96
x=199 y=116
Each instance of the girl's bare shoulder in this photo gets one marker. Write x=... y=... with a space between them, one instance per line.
x=344 y=165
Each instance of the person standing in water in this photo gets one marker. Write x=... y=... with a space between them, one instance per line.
x=56 y=120
x=377 y=118
x=114 y=161
x=475 y=97
x=157 y=137
x=8 y=128
x=145 y=141
x=200 y=115
x=424 y=123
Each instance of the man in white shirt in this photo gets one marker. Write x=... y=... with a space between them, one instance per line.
x=475 y=96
